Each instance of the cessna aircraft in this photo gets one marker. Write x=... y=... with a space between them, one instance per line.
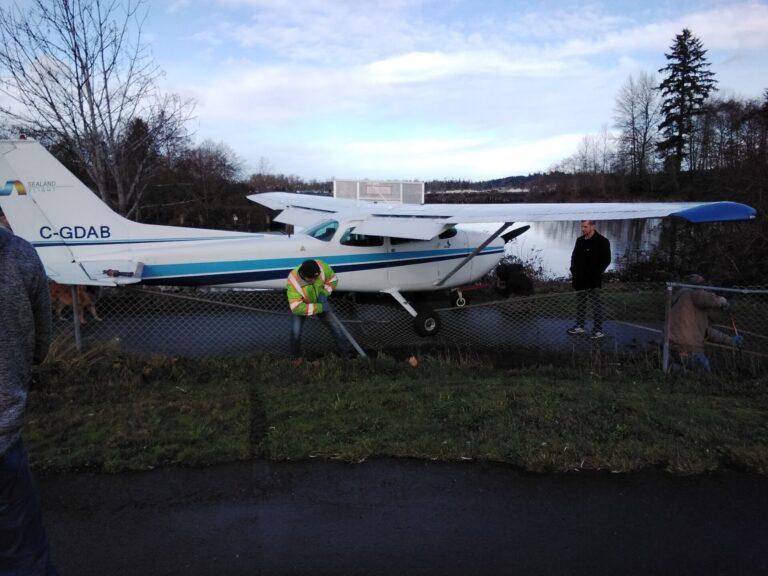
x=372 y=246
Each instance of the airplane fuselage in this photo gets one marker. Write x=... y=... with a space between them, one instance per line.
x=264 y=260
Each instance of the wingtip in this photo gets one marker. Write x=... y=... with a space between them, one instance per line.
x=717 y=212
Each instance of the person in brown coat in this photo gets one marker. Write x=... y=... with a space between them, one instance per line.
x=689 y=326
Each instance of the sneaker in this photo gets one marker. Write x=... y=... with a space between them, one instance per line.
x=576 y=330
x=596 y=335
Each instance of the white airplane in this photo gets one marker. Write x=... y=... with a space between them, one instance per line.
x=372 y=246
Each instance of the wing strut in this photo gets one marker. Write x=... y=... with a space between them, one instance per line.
x=477 y=250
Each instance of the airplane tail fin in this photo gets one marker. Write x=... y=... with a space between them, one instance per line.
x=78 y=237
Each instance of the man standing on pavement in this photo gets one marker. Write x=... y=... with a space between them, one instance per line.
x=308 y=288
x=25 y=317
x=590 y=258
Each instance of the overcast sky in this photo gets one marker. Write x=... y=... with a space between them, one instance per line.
x=429 y=89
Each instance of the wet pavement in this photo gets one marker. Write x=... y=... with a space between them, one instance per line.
x=235 y=331
x=404 y=517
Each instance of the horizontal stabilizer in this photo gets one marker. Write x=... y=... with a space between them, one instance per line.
x=113 y=272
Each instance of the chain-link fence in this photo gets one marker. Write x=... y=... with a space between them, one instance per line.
x=516 y=330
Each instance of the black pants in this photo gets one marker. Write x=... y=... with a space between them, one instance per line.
x=596 y=303
x=23 y=542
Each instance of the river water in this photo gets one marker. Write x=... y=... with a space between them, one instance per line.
x=549 y=244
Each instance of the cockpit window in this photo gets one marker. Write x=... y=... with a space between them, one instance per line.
x=450 y=233
x=323 y=231
x=352 y=239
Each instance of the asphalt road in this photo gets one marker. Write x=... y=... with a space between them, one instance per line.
x=235 y=332
x=404 y=517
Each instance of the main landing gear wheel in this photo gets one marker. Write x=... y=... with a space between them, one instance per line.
x=427 y=323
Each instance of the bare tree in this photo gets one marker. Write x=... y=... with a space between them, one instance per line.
x=636 y=115
x=606 y=150
x=75 y=72
x=595 y=154
x=265 y=165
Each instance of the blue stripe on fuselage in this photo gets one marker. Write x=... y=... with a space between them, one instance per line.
x=207 y=273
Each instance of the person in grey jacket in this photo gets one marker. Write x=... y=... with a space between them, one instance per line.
x=689 y=326
x=25 y=317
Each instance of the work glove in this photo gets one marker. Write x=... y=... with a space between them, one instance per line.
x=737 y=341
x=723 y=303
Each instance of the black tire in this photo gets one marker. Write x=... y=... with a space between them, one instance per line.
x=427 y=323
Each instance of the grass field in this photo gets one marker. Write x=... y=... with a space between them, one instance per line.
x=107 y=412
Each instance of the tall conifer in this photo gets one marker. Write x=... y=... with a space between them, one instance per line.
x=684 y=90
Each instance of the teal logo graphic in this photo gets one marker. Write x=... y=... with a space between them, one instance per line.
x=12 y=185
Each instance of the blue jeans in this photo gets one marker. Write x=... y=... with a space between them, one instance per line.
x=297 y=327
x=23 y=542
x=596 y=302
x=694 y=361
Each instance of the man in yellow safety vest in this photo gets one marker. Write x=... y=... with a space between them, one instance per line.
x=308 y=288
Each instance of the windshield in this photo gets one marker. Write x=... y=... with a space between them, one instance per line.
x=323 y=231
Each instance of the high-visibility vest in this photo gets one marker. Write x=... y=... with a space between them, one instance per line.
x=303 y=297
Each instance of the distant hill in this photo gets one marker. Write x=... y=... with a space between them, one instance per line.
x=507 y=183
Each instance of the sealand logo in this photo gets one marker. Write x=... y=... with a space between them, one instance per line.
x=12 y=185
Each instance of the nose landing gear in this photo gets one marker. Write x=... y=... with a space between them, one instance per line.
x=457 y=298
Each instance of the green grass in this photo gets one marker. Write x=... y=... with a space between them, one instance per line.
x=636 y=305
x=109 y=412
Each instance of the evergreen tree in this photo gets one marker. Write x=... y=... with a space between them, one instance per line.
x=684 y=90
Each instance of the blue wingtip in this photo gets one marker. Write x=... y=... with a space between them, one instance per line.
x=717 y=212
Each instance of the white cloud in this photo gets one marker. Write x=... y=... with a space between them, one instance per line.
x=473 y=158
x=430 y=66
x=735 y=27
x=432 y=89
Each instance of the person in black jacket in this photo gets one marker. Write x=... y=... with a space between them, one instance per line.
x=590 y=257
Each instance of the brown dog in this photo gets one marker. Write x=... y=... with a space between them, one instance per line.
x=61 y=296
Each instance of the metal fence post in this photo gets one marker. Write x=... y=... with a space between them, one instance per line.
x=665 y=348
x=76 y=318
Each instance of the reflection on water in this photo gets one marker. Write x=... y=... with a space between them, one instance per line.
x=551 y=243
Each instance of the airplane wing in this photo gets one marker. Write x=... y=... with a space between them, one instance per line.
x=374 y=218
x=424 y=221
